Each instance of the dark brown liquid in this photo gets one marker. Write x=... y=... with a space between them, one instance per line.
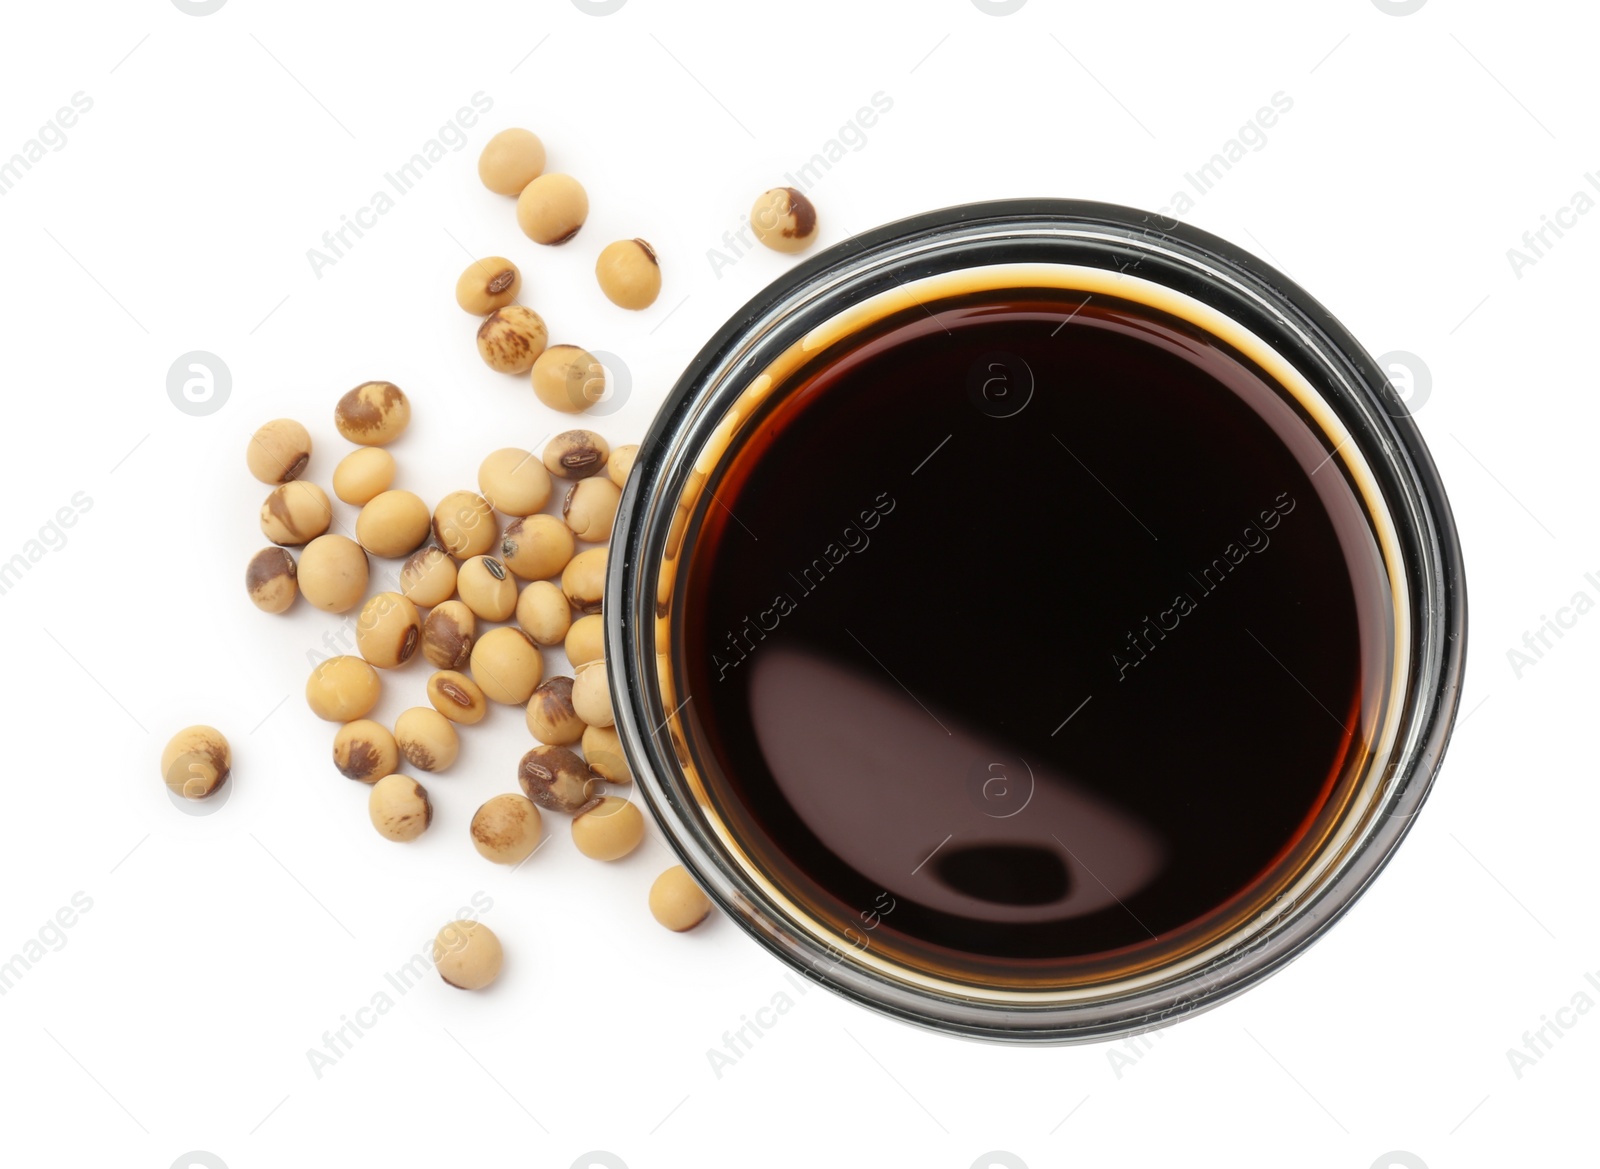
x=1021 y=641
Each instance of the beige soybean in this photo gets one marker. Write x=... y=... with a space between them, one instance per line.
x=584 y=580
x=576 y=454
x=621 y=462
x=602 y=748
x=550 y=715
x=485 y=585
x=279 y=451
x=196 y=762
x=591 y=695
x=363 y=474
x=511 y=339
x=295 y=513
x=373 y=414
x=568 y=379
x=629 y=273
x=426 y=738
x=590 y=509
x=428 y=577
x=506 y=665
x=393 y=524
x=342 y=689
x=464 y=524
x=365 y=751
x=510 y=161
x=544 y=613
x=506 y=830
x=514 y=482
x=457 y=697
x=552 y=208
x=388 y=630
x=537 y=547
x=784 y=220
x=608 y=831
x=557 y=779
x=467 y=955
x=448 y=634
x=487 y=284
x=677 y=902
x=333 y=573
x=270 y=580
x=399 y=808
x=586 y=640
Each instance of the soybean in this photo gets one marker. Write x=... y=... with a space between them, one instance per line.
x=784 y=220
x=609 y=830
x=677 y=902
x=279 y=451
x=602 y=747
x=295 y=513
x=506 y=830
x=399 y=808
x=511 y=339
x=457 y=697
x=392 y=524
x=428 y=577
x=467 y=955
x=426 y=738
x=510 y=161
x=448 y=634
x=488 y=284
x=544 y=613
x=363 y=474
x=333 y=573
x=551 y=717
x=590 y=509
x=365 y=751
x=485 y=585
x=196 y=762
x=464 y=524
x=629 y=273
x=388 y=630
x=270 y=580
x=537 y=547
x=576 y=454
x=621 y=462
x=584 y=580
x=342 y=689
x=586 y=640
x=591 y=695
x=506 y=665
x=568 y=379
x=514 y=482
x=557 y=779
x=373 y=414
x=552 y=208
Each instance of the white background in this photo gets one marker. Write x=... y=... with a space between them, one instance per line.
x=177 y=1013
